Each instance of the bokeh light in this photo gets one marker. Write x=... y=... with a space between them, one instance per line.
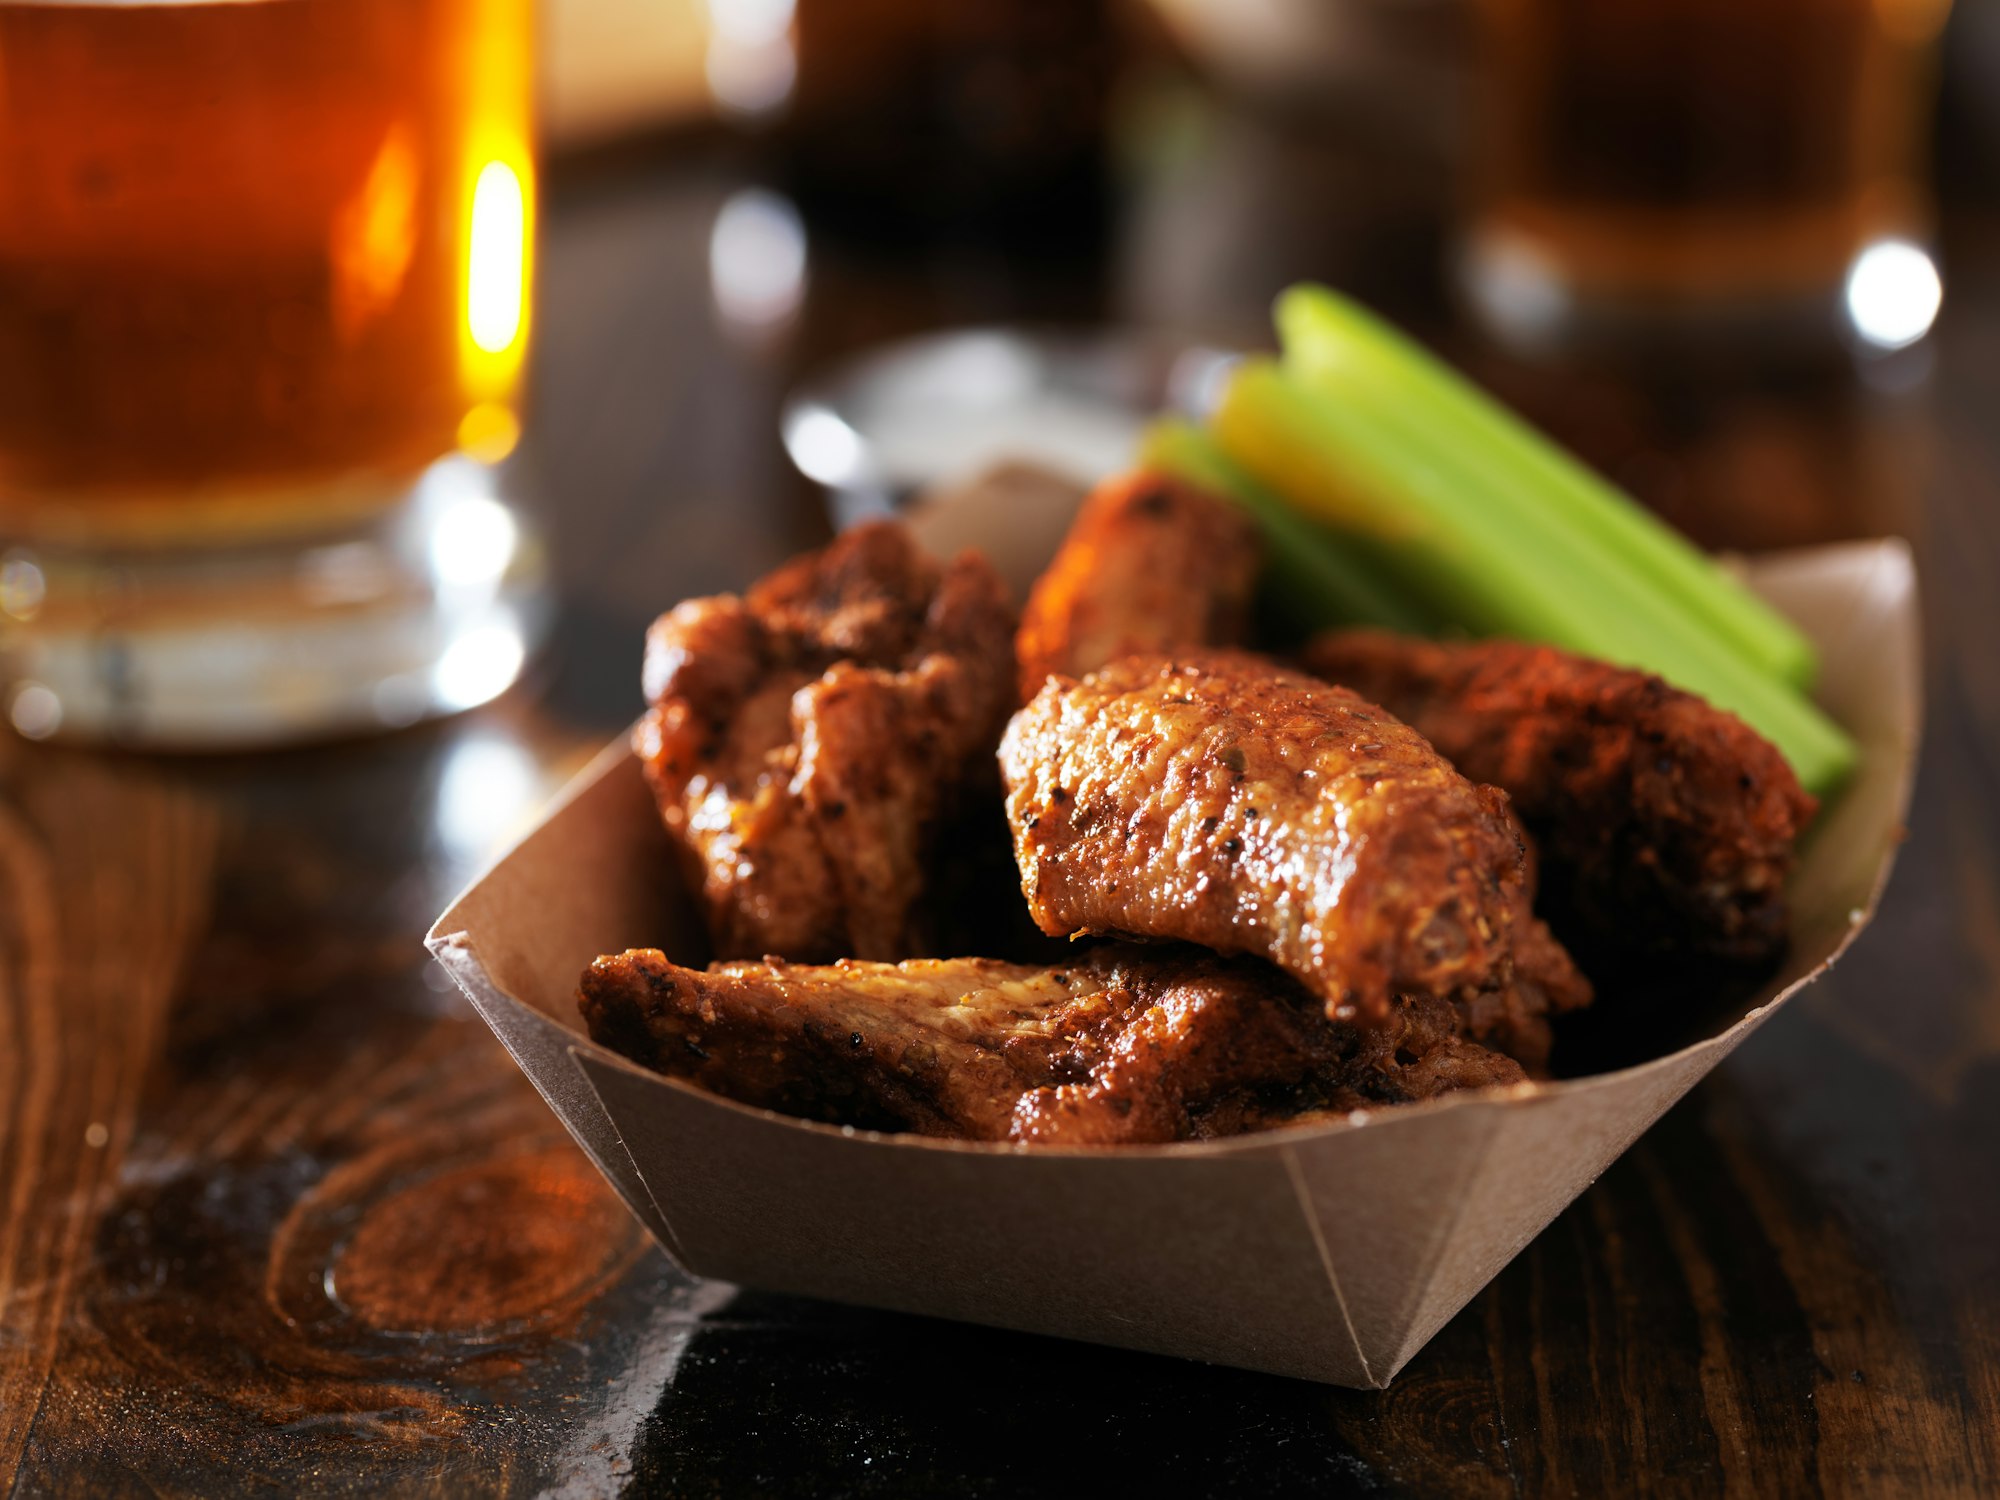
x=757 y=260
x=1894 y=293
x=497 y=259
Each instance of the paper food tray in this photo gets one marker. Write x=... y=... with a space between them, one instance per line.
x=1330 y=1252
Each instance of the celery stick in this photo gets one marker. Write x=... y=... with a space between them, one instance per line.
x=1329 y=339
x=1316 y=581
x=1345 y=466
x=1358 y=477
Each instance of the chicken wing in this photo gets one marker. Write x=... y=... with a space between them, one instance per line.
x=1665 y=826
x=1514 y=1016
x=1122 y=1046
x=1216 y=798
x=1150 y=564
x=805 y=740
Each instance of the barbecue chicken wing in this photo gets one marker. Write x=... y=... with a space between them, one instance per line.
x=806 y=740
x=1122 y=1046
x=1150 y=564
x=1215 y=798
x=1665 y=826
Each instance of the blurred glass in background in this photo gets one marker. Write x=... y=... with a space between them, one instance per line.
x=899 y=121
x=1680 y=168
x=264 y=307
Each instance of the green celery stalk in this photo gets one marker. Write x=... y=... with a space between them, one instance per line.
x=1316 y=581
x=1332 y=341
x=1440 y=538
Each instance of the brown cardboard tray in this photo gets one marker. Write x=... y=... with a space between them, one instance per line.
x=1330 y=1252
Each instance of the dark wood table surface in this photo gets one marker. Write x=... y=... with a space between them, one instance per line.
x=278 y=1215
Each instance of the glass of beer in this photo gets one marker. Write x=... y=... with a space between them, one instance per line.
x=265 y=271
x=1682 y=166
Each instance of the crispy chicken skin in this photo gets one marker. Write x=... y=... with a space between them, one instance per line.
x=1213 y=797
x=1665 y=826
x=1122 y=1046
x=806 y=739
x=1150 y=565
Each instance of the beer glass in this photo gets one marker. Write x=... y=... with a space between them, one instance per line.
x=264 y=302
x=1666 y=165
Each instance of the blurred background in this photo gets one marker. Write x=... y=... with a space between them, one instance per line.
x=253 y=501
x=1703 y=243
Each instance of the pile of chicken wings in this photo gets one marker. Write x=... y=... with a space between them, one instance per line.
x=1291 y=888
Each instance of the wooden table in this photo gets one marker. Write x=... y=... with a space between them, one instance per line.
x=277 y=1215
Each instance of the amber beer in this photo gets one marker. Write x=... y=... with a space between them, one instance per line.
x=258 y=259
x=1690 y=148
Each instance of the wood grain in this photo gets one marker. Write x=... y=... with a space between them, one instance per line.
x=325 y=1202
x=103 y=882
